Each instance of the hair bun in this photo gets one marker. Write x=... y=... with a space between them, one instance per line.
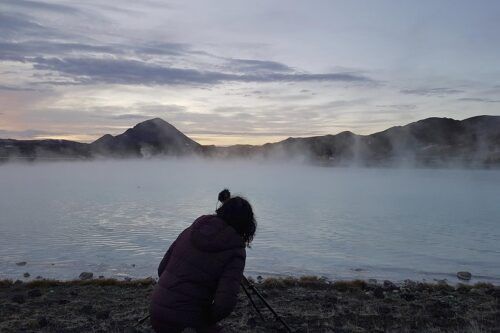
x=224 y=195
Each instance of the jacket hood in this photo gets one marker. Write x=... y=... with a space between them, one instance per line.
x=210 y=233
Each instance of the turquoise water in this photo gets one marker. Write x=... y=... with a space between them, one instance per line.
x=118 y=218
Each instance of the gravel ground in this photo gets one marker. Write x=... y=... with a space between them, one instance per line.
x=307 y=304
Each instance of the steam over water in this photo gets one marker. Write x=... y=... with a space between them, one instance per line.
x=105 y=217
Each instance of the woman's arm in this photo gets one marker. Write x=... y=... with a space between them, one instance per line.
x=228 y=287
x=165 y=259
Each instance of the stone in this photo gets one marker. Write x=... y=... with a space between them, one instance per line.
x=251 y=322
x=34 y=293
x=21 y=263
x=384 y=309
x=42 y=321
x=378 y=293
x=408 y=296
x=388 y=285
x=18 y=298
x=464 y=276
x=130 y=330
x=86 y=309
x=26 y=275
x=103 y=314
x=86 y=275
x=32 y=324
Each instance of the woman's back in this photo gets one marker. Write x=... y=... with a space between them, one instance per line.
x=199 y=275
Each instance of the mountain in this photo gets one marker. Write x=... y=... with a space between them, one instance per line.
x=43 y=149
x=149 y=138
x=430 y=142
x=473 y=142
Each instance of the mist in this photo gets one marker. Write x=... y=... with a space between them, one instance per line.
x=428 y=143
x=116 y=218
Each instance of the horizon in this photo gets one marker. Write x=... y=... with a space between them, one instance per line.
x=236 y=73
x=248 y=144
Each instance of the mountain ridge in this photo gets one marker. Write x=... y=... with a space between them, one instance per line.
x=434 y=141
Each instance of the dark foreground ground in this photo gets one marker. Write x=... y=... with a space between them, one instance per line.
x=308 y=304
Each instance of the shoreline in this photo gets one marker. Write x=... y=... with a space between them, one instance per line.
x=307 y=304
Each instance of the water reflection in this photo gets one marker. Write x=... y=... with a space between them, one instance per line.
x=118 y=218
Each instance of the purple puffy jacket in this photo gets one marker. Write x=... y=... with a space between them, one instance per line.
x=200 y=275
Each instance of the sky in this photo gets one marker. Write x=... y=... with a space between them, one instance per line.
x=243 y=72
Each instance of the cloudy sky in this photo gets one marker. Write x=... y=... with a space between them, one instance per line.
x=228 y=71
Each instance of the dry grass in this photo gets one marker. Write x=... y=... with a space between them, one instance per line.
x=349 y=285
x=93 y=282
x=311 y=281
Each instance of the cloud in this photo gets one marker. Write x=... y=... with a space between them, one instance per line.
x=398 y=107
x=40 y=6
x=132 y=116
x=78 y=59
x=172 y=49
x=20 y=26
x=252 y=66
x=12 y=88
x=26 y=134
x=476 y=99
x=23 y=51
x=134 y=72
x=431 y=91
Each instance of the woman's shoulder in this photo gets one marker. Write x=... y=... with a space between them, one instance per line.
x=212 y=233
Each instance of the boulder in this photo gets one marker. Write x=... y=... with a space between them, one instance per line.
x=87 y=309
x=42 y=321
x=86 y=275
x=388 y=285
x=103 y=314
x=34 y=293
x=378 y=292
x=464 y=276
x=18 y=298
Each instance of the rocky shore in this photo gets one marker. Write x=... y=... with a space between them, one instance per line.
x=307 y=304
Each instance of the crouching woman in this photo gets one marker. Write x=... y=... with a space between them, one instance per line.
x=201 y=272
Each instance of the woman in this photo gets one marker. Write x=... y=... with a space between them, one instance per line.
x=201 y=272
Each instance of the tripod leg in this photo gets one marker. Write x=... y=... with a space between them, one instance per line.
x=278 y=318
x=251 y=301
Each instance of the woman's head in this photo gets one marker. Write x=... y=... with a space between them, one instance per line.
x=238 y=213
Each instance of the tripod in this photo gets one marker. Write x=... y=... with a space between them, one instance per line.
x=256 y=292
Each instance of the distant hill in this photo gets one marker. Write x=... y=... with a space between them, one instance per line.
x=149 y=138
x=429 y=142
x=43 y=149
x=473 y=142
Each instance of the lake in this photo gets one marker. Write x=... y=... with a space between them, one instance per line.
x=117 y=218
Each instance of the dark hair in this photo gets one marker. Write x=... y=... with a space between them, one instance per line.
x=238 y=213
x=224 y=195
